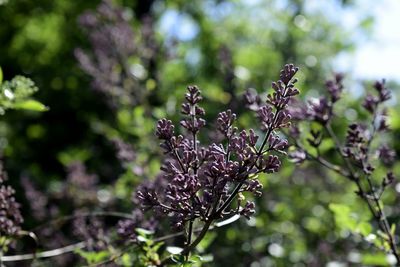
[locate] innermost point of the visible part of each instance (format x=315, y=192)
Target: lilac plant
x=358, y=157
x=206, y=183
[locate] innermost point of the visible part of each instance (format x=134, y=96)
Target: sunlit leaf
x=31, y=105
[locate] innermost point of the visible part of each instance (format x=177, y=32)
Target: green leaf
x=206, y=242
x=31, y=105
x=343, y=217
x=347, y=220
x=393, y=229
x=364, y=228
x=1, y=76
x=93, y=257
x=378, y=259
x=126, y=260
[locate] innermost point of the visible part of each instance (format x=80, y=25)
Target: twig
x=45, y=254
x=378, y=214
x=81, y=245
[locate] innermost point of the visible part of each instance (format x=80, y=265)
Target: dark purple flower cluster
x=386, y=155
x=319, y=109
x=112, y=41
x=203, y=181
x=37, y=200
x=125, y=151
x=92, y=231
x=359, y=136
x=10, y=215
x=78, y=176
x=335, y=87
x=82, y=188
x=127, y=228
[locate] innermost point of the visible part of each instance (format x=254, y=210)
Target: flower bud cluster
x=203, y=180
x=10, y=215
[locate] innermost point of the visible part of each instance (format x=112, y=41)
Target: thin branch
x=378, y=214
x=45, y=254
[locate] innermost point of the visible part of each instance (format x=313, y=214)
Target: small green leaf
x=378, y=259
x=31, y=105
x=343, y=216
x=364, y=228
x=393, y=229
x=93, y=257
x=126, y=260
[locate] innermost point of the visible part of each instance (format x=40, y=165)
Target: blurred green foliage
x=304, y=217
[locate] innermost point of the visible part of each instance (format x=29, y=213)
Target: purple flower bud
x=287, y=73
x=294, y=131
x=271, y=164
x=193, y=96
x=148, y=198
x=225, y=121
x=165, y=129
x=319, y=110
x=368, y=169
x=297, y=156
x=266, y=116
x=381, y=121
x=282, y=120
x=280, y=98
x=384, y=93
x=254, y=186
x=248, y=209
x=388, y=179
x=239, y=143
x=386, y=155
x=355, y=135
x=252, y=138
x=194, y=124
x=276, y=143
x=297, y=109
x=252, y=99
x=335, y=87
x=188, y=109
x=370, y=103
x=126, y=229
